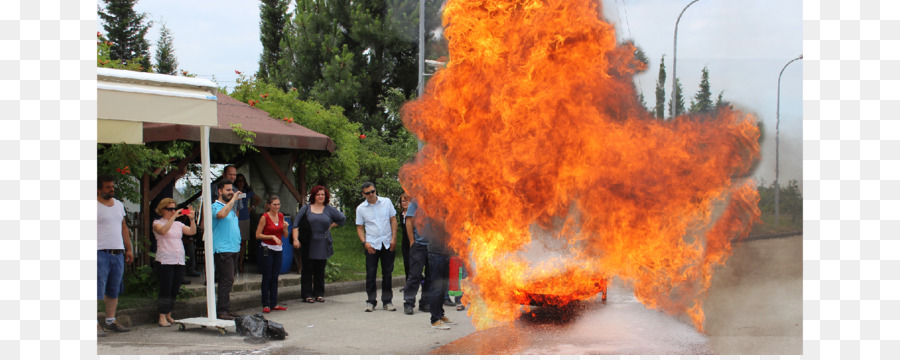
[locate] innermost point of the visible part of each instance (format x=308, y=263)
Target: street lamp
x=674, y=62
x=777, y=123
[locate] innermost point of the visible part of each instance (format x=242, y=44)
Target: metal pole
x=206, y=201
x=675, y=62
x=777, y=133
x=421, y=88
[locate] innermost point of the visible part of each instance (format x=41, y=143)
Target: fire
x=550, y=177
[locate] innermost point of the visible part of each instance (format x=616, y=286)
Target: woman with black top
x=404, y=244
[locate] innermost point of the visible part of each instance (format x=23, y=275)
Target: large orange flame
x=550, y=177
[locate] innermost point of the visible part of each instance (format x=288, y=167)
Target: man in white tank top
x=113, y=251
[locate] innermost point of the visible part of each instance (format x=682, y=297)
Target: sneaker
x=225, y=316
x=266, y=310
x=115, y=326
x=448, y=302
x=389, y=307
x=370, y=307
x=439, y=325
x=447, y=320
x=100, y=332
x=408, y=310
x=425, y=308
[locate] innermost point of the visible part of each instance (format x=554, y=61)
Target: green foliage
x=348, y=254
x=141, y=282
x=702, y=101
x=338, y=171
x=348, y=54
x=165, y=53
x=128, y=163
x=333, y=270
x=126, y=31
x=679, y=99
x=659, y=109
x=273, y=16
x=105, y=60
x=246, y=136
x=790, y=200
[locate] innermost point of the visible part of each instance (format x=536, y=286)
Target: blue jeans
x=110, y=269
x=440, y=277
x=269, y=267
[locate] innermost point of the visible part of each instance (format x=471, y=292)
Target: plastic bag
x=252, y=326
x=275, y=331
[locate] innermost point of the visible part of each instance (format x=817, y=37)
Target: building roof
x=270, y=132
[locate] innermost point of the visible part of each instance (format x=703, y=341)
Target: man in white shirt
x=376, y=225
x=113, y=251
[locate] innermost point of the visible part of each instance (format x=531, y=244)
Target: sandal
x=320, y=299
x=309, y=300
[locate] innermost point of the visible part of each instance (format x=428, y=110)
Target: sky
x=745, y=45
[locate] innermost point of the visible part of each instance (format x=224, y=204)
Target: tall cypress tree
x=272, y=18
x=702, y=101
x=125, y=28
x=659, y=109
x=676, y=96
x=165, y=53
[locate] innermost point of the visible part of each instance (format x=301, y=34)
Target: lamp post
x=674, y=62
x=777, y=123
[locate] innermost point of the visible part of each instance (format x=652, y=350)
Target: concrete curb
x=243, y=296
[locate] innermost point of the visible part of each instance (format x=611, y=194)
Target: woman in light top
x=170, y=255
x=270, y=231
x=315, y=246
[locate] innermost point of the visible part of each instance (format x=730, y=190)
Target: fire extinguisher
x=457, y=273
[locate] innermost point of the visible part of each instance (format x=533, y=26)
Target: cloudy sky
x=744, y=43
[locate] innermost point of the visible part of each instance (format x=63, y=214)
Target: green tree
x=722, y=103
x=659, y=109
x=165, y=53
x=679, y=99
x=126, y=30
x=349, y=54
x=105, y=61
x=702, y=101
x=272, y=18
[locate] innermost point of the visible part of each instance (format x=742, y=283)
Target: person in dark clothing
x=316, y=246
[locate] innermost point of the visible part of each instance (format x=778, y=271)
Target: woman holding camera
x=170, y=255
x=270, y=231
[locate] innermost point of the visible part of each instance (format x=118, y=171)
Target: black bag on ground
x=253, y=326
x=275, y=331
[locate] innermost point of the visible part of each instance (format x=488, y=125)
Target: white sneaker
x=447, y=320
x=440, y=325
x=389, y=307
x=370, y=307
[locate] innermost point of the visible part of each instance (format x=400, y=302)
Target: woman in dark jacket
x=316, y=245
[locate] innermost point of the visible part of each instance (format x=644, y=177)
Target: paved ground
x=754, y=307
x=337, y=326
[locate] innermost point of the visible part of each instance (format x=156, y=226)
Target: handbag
x=304, y=233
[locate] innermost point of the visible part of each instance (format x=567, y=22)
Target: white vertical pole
x=207, y=224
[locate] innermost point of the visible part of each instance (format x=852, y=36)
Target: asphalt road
x=754, y=307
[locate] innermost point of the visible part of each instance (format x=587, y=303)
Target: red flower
x=252, y=103
x=98, y=34
x=119, y=170
x=362, y=136
x=264, y=95
x=290, y=120
x=109, y=43
x=237, y=72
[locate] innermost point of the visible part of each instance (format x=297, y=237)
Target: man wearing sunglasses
x=376, y=225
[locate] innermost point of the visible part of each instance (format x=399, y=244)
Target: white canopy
x=127, y=99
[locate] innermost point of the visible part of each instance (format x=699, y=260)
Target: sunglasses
x=369, y=192
x=171, y=209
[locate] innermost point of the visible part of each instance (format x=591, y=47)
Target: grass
x=785, y=224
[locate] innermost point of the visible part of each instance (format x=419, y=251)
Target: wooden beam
x=265, y=154
x=173, y=175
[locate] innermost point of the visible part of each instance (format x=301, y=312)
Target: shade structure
x=128, y=99
x=270, y=132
